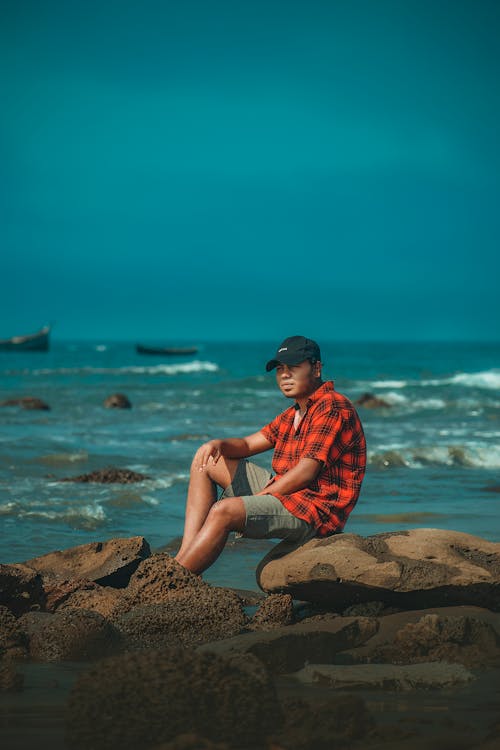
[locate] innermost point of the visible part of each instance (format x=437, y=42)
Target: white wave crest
x=389, y=383
x=162, y=369
x=487, y=379
x=468, y=456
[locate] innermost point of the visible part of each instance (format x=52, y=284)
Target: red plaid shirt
x=329, y=432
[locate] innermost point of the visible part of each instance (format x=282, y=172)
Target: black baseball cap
x=293, y=351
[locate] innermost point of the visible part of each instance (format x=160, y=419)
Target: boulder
x=108, y=563
x=186, y=618
x=370, y=401
x=10, y=679
x=157, y=577
x=146, y=698
x=406, y=569
x=69, y=635
x=117, y=401
x=21, y=588
x=109, y=475
x=27, y=402
x=106, y=600
x=13, y=644
x=274, y=612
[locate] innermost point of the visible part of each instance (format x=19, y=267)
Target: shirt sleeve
x=329, y=434
x=271, y=430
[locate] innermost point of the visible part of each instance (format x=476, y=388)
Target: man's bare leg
x=202, y=493
x=225, y=516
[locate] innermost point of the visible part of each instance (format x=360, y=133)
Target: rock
x=406, y=569
x=69, y=635
x=157, y=577
x=108, y=563
x=464, y=639
x=105, y=600
x=288, y=649
x=110, y=475
x=150, y=697
x=27, y=402
x=21, y=588
x=117, y=401
x=463, y=635
x=424, y=676
x=186, y=618
x=191, y=742
x=274, y=612
x=370, y=401
x=13, y=645
x=325, y=725
x=10, y=679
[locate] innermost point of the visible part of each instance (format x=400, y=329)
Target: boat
x=31, y=342
x=168, y=350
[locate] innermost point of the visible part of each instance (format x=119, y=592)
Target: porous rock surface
x=21, y=588
x=275, y=611
x=109, y=563
x=73, y=635
x=145, y=698
x=408, y=569
x=109, y=475
x=157, y=577
x=188, y=617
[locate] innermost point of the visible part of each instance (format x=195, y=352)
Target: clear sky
x=204, y=170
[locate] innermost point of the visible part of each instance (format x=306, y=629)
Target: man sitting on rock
x=318, y=462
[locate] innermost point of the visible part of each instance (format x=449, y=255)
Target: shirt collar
x=326, y=387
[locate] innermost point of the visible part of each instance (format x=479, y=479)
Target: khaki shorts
x=266, y=516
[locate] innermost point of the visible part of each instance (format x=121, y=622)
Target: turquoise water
x=434, y=452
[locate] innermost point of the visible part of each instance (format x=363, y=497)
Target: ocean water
x=433, y=452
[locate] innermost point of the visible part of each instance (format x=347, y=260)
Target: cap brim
x=283, y=361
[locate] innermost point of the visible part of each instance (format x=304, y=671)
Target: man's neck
x=302, y=401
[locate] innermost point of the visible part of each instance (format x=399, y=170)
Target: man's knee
x=228, y=513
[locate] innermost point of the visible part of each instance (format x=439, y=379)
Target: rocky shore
x=390, y=641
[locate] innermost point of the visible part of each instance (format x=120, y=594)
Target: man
x=318, y=462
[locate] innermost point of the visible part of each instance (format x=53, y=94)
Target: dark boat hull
x=168, y=350
x=33, y=342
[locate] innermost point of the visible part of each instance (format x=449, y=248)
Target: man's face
x=297, y=381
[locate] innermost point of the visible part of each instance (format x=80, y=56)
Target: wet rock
x=109, y=475
x=275, y=611
x=117, y=401
x=69, y=635
x=434, y=638
x=108, y=563
x=13, y=645
x=27, y=402
x=288, y=649
x=411, y=569
x=322, y=726
x=187, y=618
x=370, y=401
x=157, y=577
x=150, y=697
x=423, y=676
x=10, y=679
x=21, y=588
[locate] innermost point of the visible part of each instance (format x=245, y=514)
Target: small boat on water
x=31, y=342
x=168, y=350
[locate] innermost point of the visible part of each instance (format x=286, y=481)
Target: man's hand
x=212, y=449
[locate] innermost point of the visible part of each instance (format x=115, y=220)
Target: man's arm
x=297, y=478
x=232, y=448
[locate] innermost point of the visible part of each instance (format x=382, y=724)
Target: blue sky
x=216, y=170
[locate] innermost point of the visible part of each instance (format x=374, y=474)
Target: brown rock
x=72, y=635
x=274, y=612
x=10, y=679
x=27, y=402
x=117, y=401
x=12, y=643
x=188, y=617
x=407, y=569
x=191, y=742
x=157, y=577
x=104, y=600
x=149, y=697
x=108, y=563
x=21, y=588
x=110, y=475
x=370, y=401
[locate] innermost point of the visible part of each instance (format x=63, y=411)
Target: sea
x=433, y=448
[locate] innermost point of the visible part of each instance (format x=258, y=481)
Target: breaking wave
x=468, y=456
x=489, y=379
x=172, y=369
